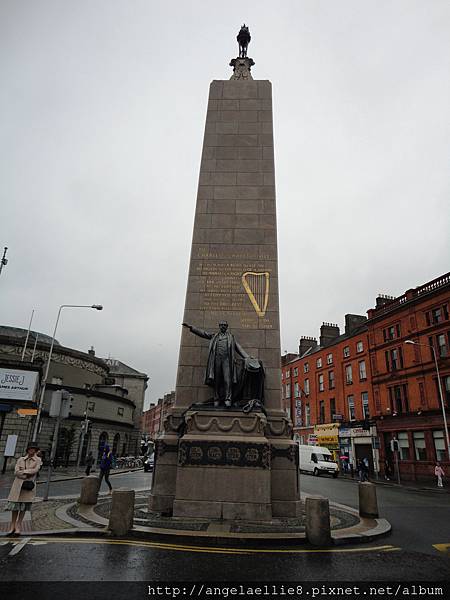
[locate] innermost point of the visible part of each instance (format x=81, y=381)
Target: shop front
x=327, y=436
x=357, y=442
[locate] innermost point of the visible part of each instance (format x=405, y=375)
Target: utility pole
x=84, y=430
x=61, y=407
x=4, y=260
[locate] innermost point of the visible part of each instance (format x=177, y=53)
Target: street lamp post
x=47, y=367
x=441, y=397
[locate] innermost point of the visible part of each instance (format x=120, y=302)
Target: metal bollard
x=368, y=504
x=318, y=530
x=122, y=512
x=89, y=490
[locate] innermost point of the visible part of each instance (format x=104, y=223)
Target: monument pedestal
x=229, y=465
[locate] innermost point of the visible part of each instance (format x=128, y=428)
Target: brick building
x=153, y=418
x=327, y=386
x=354, y=392
x=407, y=403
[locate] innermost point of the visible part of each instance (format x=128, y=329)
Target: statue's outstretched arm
x=200, y=332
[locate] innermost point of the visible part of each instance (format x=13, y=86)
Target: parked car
x=317, y=460
x=149, y=463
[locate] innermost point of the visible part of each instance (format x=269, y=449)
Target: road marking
x=20, y=546
x=212, y=549
x=442, y=547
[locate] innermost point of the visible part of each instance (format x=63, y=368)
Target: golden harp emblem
x=257, y=287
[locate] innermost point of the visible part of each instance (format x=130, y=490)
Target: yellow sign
x=257, y=287
x=27, y=412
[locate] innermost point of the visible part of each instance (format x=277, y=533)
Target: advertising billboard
x=17, y=385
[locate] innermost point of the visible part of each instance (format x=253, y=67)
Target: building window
x=359, y=347
x=329, y=359
x=322, y=411
x=332, y=407
x=391, y=333
x=319, y=363
x=331, y=383
x=365, y=404
x=419, y=445
x=120, y=411
x=288, y=390
x=306, y=390
x=296, y=390
x=321, y=384
x=346, y=352
x=362, y=370
x=348, y=374
x=351, y=408
x=403, y=445
x=398, y=397
x=288, y=373
x=91, y=406
x=442, y=345
x=306, y=367
x=447, y=389
x=307, y=415
x=439, y=445
x=394, y=359
x=295, y=372
x=436, y=315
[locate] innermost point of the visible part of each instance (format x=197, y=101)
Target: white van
x=317, y=460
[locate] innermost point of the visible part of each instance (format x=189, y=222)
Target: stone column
x=122, y=512
x=89, y=490
x=318, y=531
x=368, y=504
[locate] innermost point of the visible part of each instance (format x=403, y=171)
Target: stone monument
x=226, y=450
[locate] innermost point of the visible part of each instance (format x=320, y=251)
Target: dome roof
x=19, y=333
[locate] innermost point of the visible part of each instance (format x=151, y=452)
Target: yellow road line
x=207, y=549
x=442, y=547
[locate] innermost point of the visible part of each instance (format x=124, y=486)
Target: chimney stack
x=352, y=322
x=306, y=343
x=328, y=333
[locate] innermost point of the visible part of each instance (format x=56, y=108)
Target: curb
x=381, y=529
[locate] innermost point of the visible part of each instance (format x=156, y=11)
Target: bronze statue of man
x=221, y=372
x=243, y=38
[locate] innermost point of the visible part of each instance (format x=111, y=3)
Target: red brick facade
x=404, y=378
x=152, y=419
x=370, y=378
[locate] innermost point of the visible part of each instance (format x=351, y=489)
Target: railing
x=431, y=286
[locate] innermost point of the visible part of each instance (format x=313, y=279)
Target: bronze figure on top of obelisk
x=243, y=38
x=242, y=65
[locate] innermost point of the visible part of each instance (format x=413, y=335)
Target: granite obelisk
x=228, y=463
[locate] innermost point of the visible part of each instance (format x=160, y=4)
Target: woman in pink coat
x=20, y=499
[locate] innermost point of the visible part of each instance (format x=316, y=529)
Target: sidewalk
x=63, y=516
x=410, y=486
x=61, y=474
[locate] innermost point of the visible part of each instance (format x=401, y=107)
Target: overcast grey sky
x=102, y=108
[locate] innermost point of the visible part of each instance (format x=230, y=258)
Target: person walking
x=23, y=489
x=105, y=467
x=387, y=469
x=365, y=468
x=89, y=463
x=439, y=473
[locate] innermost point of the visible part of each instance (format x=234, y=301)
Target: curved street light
x=441, y=397
x=47, y=367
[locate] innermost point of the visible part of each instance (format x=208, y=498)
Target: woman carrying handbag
x=23, y=489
